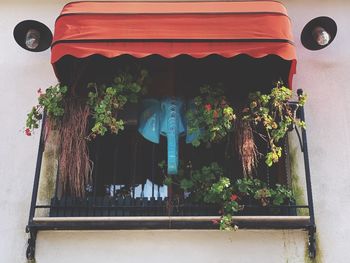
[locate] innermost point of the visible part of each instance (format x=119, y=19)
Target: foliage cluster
x=51, y=102
x=276, y=115
x=106, y=101
x=210, y=185
x=211, y=118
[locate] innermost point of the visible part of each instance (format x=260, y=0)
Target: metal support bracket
x=312, y=242
x=30, y=252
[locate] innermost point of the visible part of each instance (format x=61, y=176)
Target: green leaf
x=168, y=181
x=186, y=184
x=196, y=143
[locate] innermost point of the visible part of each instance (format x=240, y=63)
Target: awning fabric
x=169, y=29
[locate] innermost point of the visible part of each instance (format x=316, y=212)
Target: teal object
x=172, y=125
x=165, y=117
x=149, y=121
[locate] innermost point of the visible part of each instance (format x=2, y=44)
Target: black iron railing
x=120, y=212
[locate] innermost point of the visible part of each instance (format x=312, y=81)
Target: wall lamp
x=32, y=35
x=319, y=33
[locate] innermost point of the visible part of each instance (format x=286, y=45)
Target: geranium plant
x=194, y=182
x=210, y=185
x=49, y=101
x=211, y=118
x=106, y=101
x=232, y=196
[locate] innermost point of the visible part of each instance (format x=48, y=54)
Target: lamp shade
x=319, y=33
x=32, y=35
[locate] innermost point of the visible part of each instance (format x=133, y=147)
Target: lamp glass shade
x=32, y=35
x=32, y=38
x=321, y=36
x=319, y=33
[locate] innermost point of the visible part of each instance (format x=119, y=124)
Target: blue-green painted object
x=165, y=117
x=149, y=121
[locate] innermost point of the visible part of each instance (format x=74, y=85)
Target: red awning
x=169, y=29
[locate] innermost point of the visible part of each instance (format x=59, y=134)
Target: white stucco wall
x=324, y=75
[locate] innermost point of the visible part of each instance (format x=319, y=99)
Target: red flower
x=216, y=114
x=215, y=221
x=39, y=91
x=233, y=197
x=207, y=107
x=27, y=131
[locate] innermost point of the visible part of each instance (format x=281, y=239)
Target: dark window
x=126, y=177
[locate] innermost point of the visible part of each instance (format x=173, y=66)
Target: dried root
x=246, y=148
x=75, y=166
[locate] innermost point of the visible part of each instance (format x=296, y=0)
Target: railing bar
x=60, y=210
x=37, y=170
x=134, y=166
x=278, y=206
x=72, y=211
x=115, y=164
x=175, y=218
x=108, y=200
x=307, y=167
x=300, y=140
x=153, y=167
x=96, y=166
x=79, y=208
x=119, y=203
x=99, y=206
x=64, y=206
x=57, y=183
x=142, y=190
x=57, y=179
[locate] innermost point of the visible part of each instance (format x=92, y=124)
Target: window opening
x=126, y=168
